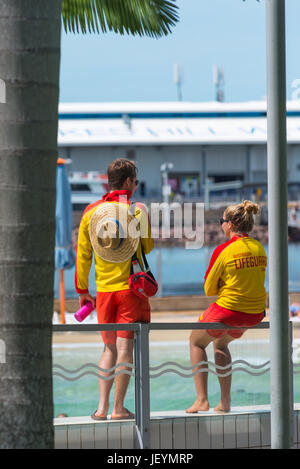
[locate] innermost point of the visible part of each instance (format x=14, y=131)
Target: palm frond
x=153, y=18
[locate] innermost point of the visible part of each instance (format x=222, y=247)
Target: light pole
x=178, y=79
x=281, y=365
x=166, y=190
x=281, y=407
x=218, y=76
x=2, y=91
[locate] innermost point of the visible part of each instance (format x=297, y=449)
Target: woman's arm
x=213, y=281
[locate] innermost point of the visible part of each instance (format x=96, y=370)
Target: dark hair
x=118, y=171
x=241, y=215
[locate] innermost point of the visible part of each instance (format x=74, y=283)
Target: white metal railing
x=141, y=368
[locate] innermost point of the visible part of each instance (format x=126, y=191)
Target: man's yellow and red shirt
x=109, y=276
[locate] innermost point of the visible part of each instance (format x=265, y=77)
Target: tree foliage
x=153, y=18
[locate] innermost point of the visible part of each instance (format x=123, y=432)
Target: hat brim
x=130, y=234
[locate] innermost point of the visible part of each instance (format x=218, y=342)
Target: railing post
x=142, y=386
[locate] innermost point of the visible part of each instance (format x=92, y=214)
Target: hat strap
x=131, y=209
x=121, y=238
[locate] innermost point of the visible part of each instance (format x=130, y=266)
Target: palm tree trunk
x=29, y=66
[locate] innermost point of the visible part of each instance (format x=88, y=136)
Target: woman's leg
x=198, y=343
x=223, y=358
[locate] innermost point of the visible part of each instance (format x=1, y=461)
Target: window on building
x=130, y=154
x=225, y=177
x=185, y=183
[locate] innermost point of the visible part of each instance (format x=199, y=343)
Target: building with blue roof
x=215, y=140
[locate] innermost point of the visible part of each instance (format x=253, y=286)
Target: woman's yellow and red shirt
x=236, y=274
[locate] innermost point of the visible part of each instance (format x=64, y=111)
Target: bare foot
x=98, y=416
x=101, y=412
x=200, y=405
x=125, y=414
x=223, y=407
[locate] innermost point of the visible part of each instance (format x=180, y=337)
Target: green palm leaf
x=152, y=18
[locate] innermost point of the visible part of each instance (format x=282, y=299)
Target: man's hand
x=84, y=298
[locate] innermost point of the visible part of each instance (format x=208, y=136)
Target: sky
x=230, y=33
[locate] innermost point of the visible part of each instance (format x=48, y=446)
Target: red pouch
x=143, y=284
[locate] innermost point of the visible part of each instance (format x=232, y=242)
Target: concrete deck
x=242, y=427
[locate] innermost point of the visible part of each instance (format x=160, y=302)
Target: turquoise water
x=183, y=271
x=169, y=391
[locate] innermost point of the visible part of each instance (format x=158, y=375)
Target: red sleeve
x=213, y=259
x=216, y=254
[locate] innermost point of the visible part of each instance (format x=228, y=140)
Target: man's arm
x=84, y=298
x=145, y=228
x=84, y=256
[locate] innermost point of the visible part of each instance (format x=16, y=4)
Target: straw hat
x=114, y=232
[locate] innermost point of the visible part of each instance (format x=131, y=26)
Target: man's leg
x=124, y=354
x=130, y=309
x=223, y=358
x=106, y=311
x=199, y=340
x=107, y=360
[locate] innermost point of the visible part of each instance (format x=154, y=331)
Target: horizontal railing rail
x=151, y=326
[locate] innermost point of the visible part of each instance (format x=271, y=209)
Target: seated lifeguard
x=236, y=275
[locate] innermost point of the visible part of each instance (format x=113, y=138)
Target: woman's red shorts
x=120, y=307
x=216, y=313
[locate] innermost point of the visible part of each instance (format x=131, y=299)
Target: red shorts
x=121, y=307
x=216, y=313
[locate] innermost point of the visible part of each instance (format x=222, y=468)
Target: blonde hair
x=241, y=215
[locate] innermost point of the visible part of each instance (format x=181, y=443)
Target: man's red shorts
x=216, y=313
x=121, y=307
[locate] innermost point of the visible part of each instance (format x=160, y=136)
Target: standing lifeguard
x=236, y=275
x=105, y=233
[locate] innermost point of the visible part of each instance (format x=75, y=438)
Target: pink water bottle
x=84, y=311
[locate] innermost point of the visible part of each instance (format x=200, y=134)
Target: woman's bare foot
x=200, y=405
x=223, y=406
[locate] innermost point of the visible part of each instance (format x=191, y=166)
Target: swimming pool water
x=170, y=391
x=183, y=270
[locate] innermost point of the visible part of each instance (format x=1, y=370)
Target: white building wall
x=219, y=160
x=258, y=163
x=222, y=159
x=92, y=158
x=185, y=159
x=148, y=161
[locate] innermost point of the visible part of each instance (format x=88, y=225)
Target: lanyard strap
x=134, y=258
